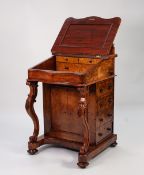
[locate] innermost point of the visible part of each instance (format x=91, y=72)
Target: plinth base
x=83, y=159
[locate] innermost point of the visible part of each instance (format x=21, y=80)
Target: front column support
x=83, y=113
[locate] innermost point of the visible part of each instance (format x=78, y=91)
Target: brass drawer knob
x=98, y=56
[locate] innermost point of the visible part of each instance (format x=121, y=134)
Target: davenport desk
x=78, y=89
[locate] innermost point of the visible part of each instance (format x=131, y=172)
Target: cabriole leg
x=32, y=144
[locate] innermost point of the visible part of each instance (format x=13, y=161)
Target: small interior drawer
x=72, y=67
x=89, y=60
x=67, y=59
x=60, y=66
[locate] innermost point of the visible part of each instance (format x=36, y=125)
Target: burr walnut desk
x=78, y=89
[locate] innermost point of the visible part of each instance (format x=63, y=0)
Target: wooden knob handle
x=101, y=105
x=101, y=119
x=110, y=73
x=109, y=129
x=109, y=86
x=101, y=90
x=100, y=134
x=109, y=115
x=66, y=67
x=66, y=59
x=110, y=100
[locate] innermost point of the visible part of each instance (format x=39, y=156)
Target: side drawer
x=77, y=60
x=104, y=117
x=105, y=103
x=106, y=69
x=103, y=132
x=105, y=87
x=67, y=59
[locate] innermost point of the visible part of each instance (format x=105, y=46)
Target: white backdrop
x=28, y=29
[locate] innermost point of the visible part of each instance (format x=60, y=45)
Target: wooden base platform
x=83, y=159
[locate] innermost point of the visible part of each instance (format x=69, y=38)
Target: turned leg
x=82, y=164
x=32, y=151
x=83, y=113
x=32, y=144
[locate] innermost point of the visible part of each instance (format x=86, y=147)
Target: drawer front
x=103, y=132
x=105, y=87
x=105, y=103
x=72, y=67
x=67, y=67
x=104, y=117
x=106, y=69
x=67, y=59
x=89, y=60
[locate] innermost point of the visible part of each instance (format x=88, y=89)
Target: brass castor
x=32, y=151
x=82, y=164
x=113, y=144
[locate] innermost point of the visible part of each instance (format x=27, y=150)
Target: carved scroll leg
x=32, y=144
x=83, y=113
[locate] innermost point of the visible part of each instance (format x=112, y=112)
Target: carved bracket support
x=83, y=113
x=31, y=112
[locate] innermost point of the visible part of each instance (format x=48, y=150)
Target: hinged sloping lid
x=89, y=36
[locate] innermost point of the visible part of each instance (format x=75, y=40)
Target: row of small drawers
x=104, y=118
x=77, y=60
x=105, y=102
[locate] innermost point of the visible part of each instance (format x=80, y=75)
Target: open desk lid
x=89, y=36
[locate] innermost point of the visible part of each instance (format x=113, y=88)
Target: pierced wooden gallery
x=78, y=89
